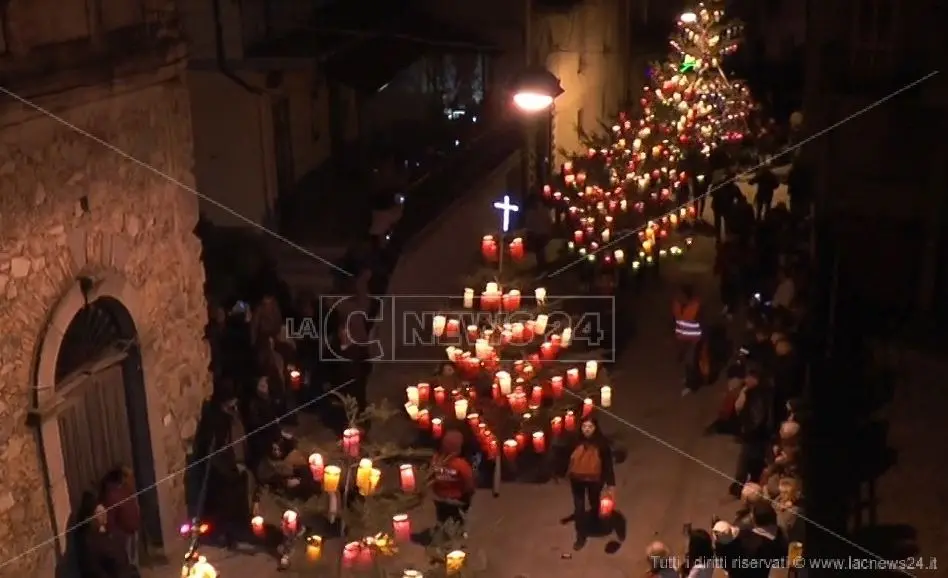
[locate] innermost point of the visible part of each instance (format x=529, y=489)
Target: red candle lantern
x=424, y=392
x=556, y=386
x=539, y=442
x=516, y=249
x=547, y=191
x=473, y=332
x=492, y=448
x=350, y=442
x=536, y=397
x=258, y=526
x=570, y=421
x=350, y=553
x=401, y=527
x=453, y=328
x=474, y=420
x=489, y=248
x=510, y=449
x=521, y=441
x=572, y=377
x=366, y=554
x=406, y=474
x=424, y=419
x=290, y=522
x=316, y=467
x=439, y=395
x=606, y=506
x=588, y=407
x=556, y=426
x=296, y=378
x=437, y=428
x=578, y=236
x=546, y=351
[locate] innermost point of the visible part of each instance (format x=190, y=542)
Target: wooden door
x=94, y=431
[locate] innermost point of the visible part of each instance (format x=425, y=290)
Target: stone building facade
x=102, y=309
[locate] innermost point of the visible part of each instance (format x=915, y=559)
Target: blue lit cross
x=507, y=208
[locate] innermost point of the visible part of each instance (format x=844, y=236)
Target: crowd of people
x=760, y=264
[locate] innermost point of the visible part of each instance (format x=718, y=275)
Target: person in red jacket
x=120, y=499
x=453, y=481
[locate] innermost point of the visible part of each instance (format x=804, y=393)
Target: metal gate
x=94, y=431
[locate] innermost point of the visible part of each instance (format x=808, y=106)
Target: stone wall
x=137, y=229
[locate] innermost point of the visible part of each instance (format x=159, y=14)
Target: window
x=874, y=35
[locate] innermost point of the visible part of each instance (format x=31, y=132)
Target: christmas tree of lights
x=640, y=180
x=690, y=107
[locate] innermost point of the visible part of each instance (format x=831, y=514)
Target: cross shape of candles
x=507, y=207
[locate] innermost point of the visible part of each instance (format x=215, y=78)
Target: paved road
x=673, y=474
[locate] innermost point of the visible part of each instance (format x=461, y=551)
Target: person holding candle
x=591, y=472
x=454, y=483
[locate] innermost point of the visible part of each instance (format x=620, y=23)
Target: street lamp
x=534, y=91
x=688, y=18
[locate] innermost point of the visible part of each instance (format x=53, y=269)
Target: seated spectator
x=751, y=493
x=661, y=564
x=699, y=559
x=762, y=540
x=286, y=472
x=788, y=504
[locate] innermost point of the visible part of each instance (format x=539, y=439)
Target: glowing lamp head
x=532, y=101
x=688, y=18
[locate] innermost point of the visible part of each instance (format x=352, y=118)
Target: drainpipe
x=222, y=57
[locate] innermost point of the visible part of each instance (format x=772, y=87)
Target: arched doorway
x=99, y=407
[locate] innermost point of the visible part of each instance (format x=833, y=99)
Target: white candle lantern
x=592, y=369
x=438, y=325
x=566, y=337
x=460, y=408
x=492, y=288
x=504, y=381
x=481, y=348
x=468, y=298
x=605, y=396
x=540, y=294
x=605, y=236
x=411, y=393
x=412, y=411
x=540, y=324
x=620, y=256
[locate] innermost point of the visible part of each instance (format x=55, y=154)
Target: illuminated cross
x=507, y=208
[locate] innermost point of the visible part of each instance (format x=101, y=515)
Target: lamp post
x=534, y=92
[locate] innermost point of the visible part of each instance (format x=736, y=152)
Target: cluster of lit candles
x=521, y=391
x=361, y=553
x=594, y=210
x=490, y=249
x=493, y=299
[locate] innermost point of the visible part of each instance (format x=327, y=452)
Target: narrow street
x=673, y=474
